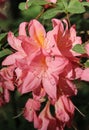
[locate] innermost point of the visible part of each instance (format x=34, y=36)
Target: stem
x=40, y=14
x=79, y=111
x=67, y=16
x=66, y=12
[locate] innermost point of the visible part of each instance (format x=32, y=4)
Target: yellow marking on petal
x=39, y=38
x=43, y=62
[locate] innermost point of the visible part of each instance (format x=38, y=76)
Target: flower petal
x=49, y=85
x=22, y=29
x=37, y=32
x=64, y=109
x=30, y=83
x=14, y=42
x=85, y=75
x=11, y=59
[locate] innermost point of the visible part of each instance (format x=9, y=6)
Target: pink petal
x=6, y=75
x=37, y=121
x=56, y=22
x=46, y=117
x=64, y=109
x=67, y=87
x=52, y=1
x=11, y=59
x=14, y=42
x=39, y=94
x=9, y=85
x=37, y=32
x=6, y=95
x=78, y=72
x=29, y=48
x=85, y=75
x=56, y=64
x=50, y=44
x=30, y=83
x=48, y=121
x=30, y=112
x=22, y=29
x=49, y=85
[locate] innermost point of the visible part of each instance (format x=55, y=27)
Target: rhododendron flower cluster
x=43, y=64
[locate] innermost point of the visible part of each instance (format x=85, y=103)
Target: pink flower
x=42, y=70
x=85, y=75
x=6, y=84
x=52, y=1
x=15, y=43
x=37, y=32
x=30, y=112
x=34, y=62
x=64, y=110
x=38, y=37
x=35, y=41
x=48, y=121
x=23, y=43
x=4, y=96
x=66, y=85
x=45, y=65
x=39, y=94
x=18, y=44
x=65, y=39
x=7, y=78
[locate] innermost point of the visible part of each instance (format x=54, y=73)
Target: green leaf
x=38, y=2
x=22, y=5
x=2, y=35
x=60, y=5
x=5, y=52
x=65, y=3
x=79, y=49
x=86, y=64
x=31, y=12
x=51, y=13
x=85, y=3
x=76, y=7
